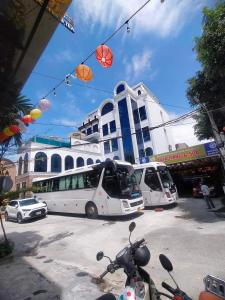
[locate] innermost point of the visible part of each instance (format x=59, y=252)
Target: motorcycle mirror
x=99, y=255
x=166, y=263
x=132, y=226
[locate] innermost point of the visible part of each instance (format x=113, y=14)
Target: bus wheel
x=91, y=211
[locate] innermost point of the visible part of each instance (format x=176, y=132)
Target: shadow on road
x=196, y=209
x=104, y=218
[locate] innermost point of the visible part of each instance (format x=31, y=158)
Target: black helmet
x=142, y=256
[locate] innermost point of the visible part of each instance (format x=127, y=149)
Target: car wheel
x=91, y=211
x=19, y=218
x=6, y=216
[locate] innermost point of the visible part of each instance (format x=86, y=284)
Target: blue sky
x=157, y=51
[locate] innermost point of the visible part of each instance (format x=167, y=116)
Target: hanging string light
x=128, y=27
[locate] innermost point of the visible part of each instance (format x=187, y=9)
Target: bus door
x=111, y=186
x=152, y=191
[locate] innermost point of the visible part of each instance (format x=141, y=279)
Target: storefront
x=188, y=166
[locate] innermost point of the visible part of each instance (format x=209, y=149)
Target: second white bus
x=156, y=184
x=108, y=189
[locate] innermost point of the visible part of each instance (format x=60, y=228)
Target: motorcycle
x=139, y=284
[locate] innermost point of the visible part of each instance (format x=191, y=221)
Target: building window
x=139, y=92
x=139, y=137
x=25, y=170
x=80, y=162
x=146, y=134
x=105, y=129
x=98, y=161
x=114, y=145
x=116, y=157
x=95, y=128
x=106, y=147
x=56, y=163
x=142, y=112
x=136, y=116
x=112, y=126
x=90, y=161
x=18, y=186
x=170, y=148
x=120, y=88
x=89, y=131
x=126, y=132
x=24, y=185
x=40, y=162
x=141, y=153
x=149, y=151
x=69, y=162
x=20, y=166
x=83, y=131
x=107, y=108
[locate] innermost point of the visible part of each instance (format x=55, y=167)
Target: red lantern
x=84, y=72
x=104, y=56
x=15, y=129
x=3, y=137
x=27, y=119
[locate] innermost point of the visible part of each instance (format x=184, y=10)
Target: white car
x=24, y=209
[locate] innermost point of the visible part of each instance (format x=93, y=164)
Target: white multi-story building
x=122, y=125
x=44, y=157
x=118, y=129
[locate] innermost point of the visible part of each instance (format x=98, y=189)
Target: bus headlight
x=125, y=204
x=167, y=194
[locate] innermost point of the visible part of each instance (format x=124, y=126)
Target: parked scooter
x=139, y=285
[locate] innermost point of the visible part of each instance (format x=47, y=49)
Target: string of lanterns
x=83, y=72
x=20, y=125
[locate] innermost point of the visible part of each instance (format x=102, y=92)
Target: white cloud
x=66, y=122
x=183, y=132
x=161, y=19
x=139, y=64
x=63, y=56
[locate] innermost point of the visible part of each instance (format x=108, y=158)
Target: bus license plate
x=38, y=213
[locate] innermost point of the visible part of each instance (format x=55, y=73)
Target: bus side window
x=62, y=183
x=55, y=186
x=110, y=182
x=152, y=180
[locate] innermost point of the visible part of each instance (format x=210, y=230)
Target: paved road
x=54, y=258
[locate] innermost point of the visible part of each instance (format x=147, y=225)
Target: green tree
x=208, y=85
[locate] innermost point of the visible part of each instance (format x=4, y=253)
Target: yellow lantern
x=8, y=132
x=84, y=72
x=35, y=113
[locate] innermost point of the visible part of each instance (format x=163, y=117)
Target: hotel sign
x=190, y=153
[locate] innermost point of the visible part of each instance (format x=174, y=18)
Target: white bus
x=156, y=184
x=107, y=188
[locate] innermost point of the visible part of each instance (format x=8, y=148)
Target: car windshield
x=28, y=202
x=165, y=176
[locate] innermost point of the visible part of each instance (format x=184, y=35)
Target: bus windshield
x=165, y=176
x=121, y=182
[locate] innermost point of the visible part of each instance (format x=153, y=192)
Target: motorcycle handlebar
x=137, y=244
x=103, y=274
x=168, y=288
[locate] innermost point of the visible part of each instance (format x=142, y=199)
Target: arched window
x=40, y=162
x=149, y=151
x=20, y=165
x=98, y=161
x=80, y=162
x=120, y=88
x=56, y=163
x=25, y=168
x=116, y=157
x=90, y=161
x=142, y=153
x=69, y=162
x=107, y=108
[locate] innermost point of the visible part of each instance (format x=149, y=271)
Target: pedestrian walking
x=206, y=194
